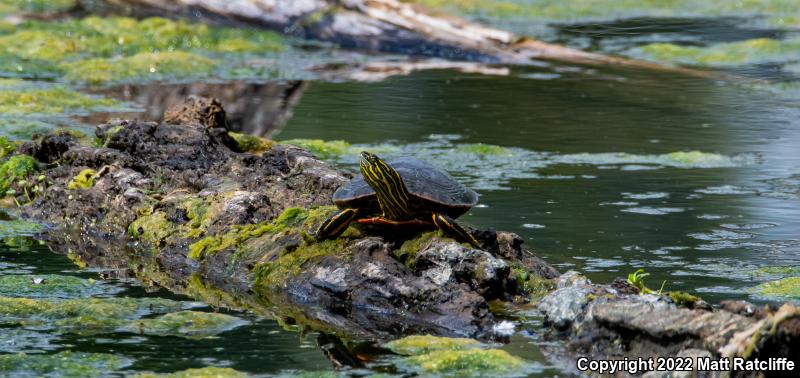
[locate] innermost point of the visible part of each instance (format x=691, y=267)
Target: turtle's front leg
x=451, y=228
x=336, y=224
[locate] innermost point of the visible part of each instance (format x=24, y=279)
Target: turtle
x=403, y=192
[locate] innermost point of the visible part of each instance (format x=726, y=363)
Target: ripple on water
x=729, y=244
x=645, y=196
x=747, y=226
x=619, y=203
x=647, y=210
x=668, y=250
x=717, y=234
x=724, y=190
x=17, y=340
x=533, y=226
x=711, y=216
x=600, y=265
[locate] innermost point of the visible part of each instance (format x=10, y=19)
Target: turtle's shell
x=433, y=189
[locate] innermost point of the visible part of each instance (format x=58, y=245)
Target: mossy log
x=225, y=218
x=386, y=25
x=188, y=205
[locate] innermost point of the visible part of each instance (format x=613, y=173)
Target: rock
x=564, y=305
x=613, y=322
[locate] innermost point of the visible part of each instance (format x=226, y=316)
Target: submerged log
x=187, y=205
x=389, y=26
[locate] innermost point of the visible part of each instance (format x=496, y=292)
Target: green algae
x=272, y=275
x=251, y=143
x=421, y=344
x=193, y=324
x=696, y=158
x=147, y=65
x=483, y=149
x=753, y=51
x=770, y=13
x=99, y=51
x=407, y=253
x=15, y=169
x=61, y=364
x=53, y=100
x=466, y=362
x=239, y=234
x=51, y=286
x=7, y=147
x=23, y=128
x=788, y=287
x=783, y=271
x=13, y=228
x=683, y=299
x=206, y=372
x=83, y=180
x=152, y=228
x=320, y=148
x=532, y=285
x=11, y=83
x=94, y=316
x=36, y=6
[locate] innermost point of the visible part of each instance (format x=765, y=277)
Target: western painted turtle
x=404, y=192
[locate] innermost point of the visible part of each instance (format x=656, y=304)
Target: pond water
x=695, y=178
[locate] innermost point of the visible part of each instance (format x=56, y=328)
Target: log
x=226, y=218
x=189, y=206
x=388, y=26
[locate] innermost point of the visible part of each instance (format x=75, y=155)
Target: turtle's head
x=376, y=172
x=387, y=183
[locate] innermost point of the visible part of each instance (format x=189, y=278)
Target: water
x=695, y=179
x=686, y=224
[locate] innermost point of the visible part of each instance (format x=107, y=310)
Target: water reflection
x=252, y=108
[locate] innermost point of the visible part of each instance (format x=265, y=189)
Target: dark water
x=694, y=179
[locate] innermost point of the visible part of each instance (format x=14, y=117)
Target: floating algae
x=11, y=228
x=62, y=364
x=194, y=324
x=753, y=51
x=53, y=100
x=784, y=288
x=35, y=6
x=492, y=167
x=206, y=372
x=153, y=65
x=98, y=50
x=455, y=357
x=781, y=14
x=421, y=344
x=52, y=286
